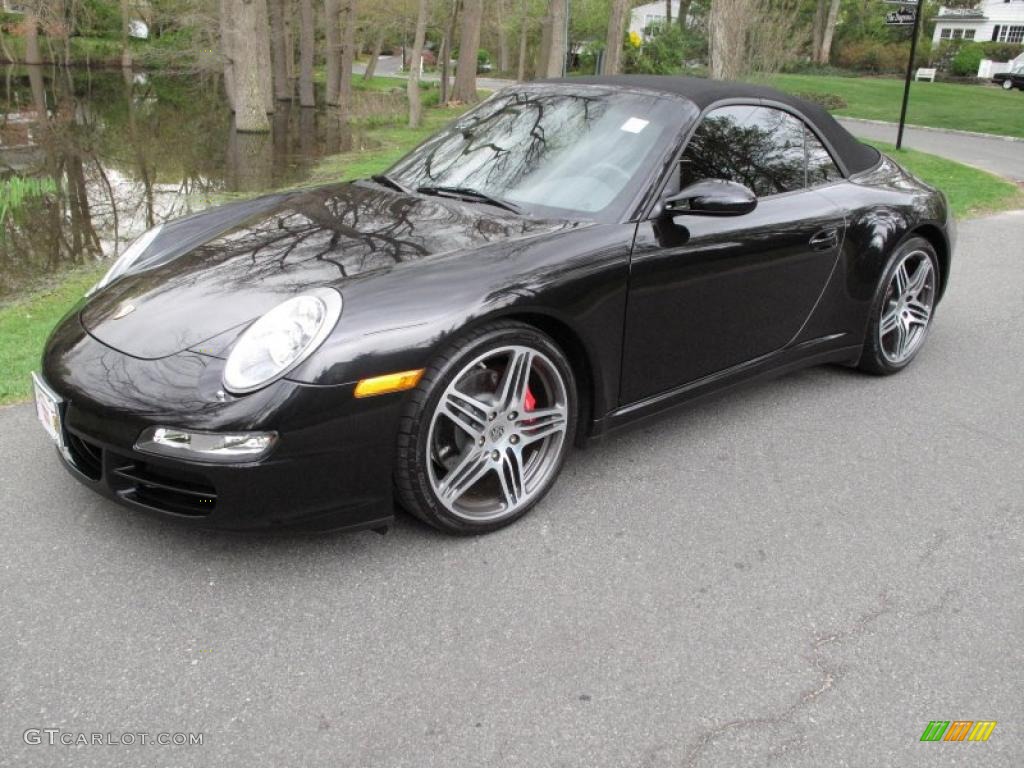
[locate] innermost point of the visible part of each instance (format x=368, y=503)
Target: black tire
x=873, y=358
x=413, y=487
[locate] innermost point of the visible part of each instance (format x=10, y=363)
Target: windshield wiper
x=387, y=181
x=468, y=193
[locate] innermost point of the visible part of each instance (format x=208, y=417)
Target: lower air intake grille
x=165, y=490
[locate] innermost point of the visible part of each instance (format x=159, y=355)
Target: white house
x=643, y=16
x=999, y=20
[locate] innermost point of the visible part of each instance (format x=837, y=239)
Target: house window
x=1011, y=35
x=946, y=34
x=968, y=34
x=958, y=34
x=995, y=32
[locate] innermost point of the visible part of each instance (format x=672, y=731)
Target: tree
x=378, y=45
x=503, y=57
x=332, y=42
x=613, y=45
x=307, y=42
x=249, y=51
x=413, y=85
x=825, y=50
x=282, y=86
x=348, y=54
x=557, y=50
x=524, y=27
x=464, y=89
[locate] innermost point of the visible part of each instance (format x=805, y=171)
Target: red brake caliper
x=529, y=402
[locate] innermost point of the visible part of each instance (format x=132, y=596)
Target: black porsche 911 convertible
x=565, y=258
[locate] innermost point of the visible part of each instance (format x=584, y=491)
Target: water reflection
x=128, y=151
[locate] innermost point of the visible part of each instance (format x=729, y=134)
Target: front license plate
x=47, y=409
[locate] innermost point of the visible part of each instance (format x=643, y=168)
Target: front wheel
x=486, y=431
x=1007, y=85
x=902, y=310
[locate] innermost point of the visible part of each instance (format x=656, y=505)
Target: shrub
x=664, y=53
x=873, y=56
x=965, y=62
x=1002, y=51
x=829, y=101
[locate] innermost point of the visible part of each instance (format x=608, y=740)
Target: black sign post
x=910, y=71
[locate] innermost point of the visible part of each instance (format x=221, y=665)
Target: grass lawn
x=937, y=105
x=970, y=191
x=25, y=324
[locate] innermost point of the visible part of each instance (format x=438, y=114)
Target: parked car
x=567, y=257
x=1012, y=79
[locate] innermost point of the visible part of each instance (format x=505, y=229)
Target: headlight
x=281, y=339
x=127, y=259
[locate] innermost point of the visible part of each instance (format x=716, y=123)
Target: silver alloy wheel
x=497, y=432
x=1007, y=84
x=907, y=307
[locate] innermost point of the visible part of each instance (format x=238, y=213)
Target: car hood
x=220, y=269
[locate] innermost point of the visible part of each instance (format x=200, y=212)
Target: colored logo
x=958, y=730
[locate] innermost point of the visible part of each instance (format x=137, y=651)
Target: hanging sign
x=904, y=17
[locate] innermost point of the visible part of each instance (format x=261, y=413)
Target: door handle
x=825, y=240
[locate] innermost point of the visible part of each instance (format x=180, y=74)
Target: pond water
x=121, y=152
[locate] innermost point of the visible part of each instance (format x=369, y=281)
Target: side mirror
x=711, y=197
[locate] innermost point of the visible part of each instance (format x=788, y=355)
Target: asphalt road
x=801, y=574
x=990, y=153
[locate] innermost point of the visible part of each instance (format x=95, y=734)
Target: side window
x=760, y=147
x=821, y=169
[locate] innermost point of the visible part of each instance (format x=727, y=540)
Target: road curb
x=951, y=131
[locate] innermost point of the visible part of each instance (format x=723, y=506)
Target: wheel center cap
x=497, y=432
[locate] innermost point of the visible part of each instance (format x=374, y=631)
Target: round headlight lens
x=281, y=339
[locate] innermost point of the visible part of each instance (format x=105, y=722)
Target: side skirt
x=804, y=355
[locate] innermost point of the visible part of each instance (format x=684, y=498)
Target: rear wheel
x=903, y=307
x=486, y=431
x=1007, y=85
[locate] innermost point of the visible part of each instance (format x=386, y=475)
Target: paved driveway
x=801, y=574
x=990, y=153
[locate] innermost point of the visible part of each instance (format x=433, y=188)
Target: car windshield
x=548, y=151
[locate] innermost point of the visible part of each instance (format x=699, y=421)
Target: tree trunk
x=126, y=51
x=282, y=88
x=307, y=42
x=32, y=40
x=826, y=36
x=613, y=45
x=523, y=28
x=464, y=89
x=332, y=10
x=348, y=55
x=446, y=47
x=413, y=85
x=556, y=54
x=291, y=14
x=248, y=23
x=818, y=28
x=728, y=23
x=544, y=50
x=503, y=58
x=227, y=38
x=371, y=65
x=668, y=13
x=262, y=43
x=684, y=12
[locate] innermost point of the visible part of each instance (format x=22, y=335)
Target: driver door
x=708, y=293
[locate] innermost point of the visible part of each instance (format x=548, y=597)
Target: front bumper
x=330, y=469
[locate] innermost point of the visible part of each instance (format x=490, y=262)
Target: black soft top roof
x=703, y=92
